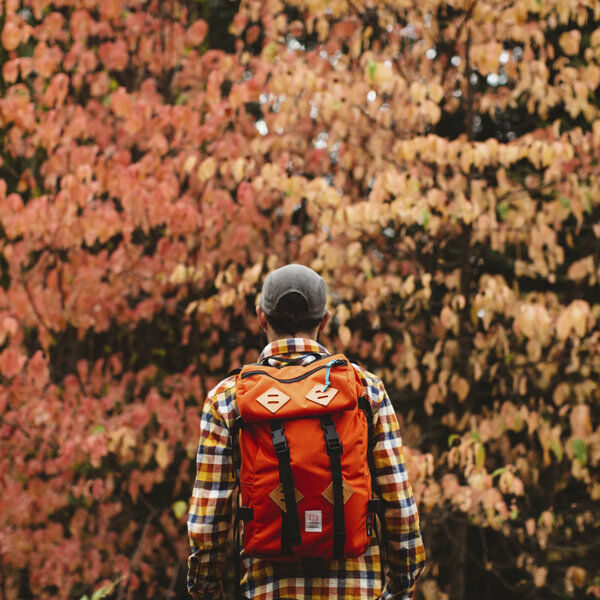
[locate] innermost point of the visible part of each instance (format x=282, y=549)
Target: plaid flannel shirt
x=210, y=515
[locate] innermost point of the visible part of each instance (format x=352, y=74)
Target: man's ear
x=262, y=318
x=324, y=321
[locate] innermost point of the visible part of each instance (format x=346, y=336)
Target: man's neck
x=274, y=337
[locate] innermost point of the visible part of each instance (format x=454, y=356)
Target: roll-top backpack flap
x=324, y=386
x=269, y=533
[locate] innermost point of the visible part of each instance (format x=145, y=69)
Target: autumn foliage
x=437, y=162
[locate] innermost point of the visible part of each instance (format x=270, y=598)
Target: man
x=292, y=312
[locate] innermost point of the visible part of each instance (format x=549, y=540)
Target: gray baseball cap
x=298, y=279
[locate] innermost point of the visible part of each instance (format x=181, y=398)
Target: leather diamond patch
x=273, y=399
x=278, y=497
x=321, y=397
x=328, y=493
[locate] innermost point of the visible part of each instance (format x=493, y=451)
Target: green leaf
x=475, y=435
x=514, y=513
x=565, y=202
x=556, y=449
x=106, y=590
x=508, y=358
x=580, y=451
x=451, y=439
x=499, y=471
x=541, y=518
x=503, y=210
x=98, y=429
x=271, y=51
x=372, y=67
x=179, y=508
x=480, y=456
x=426, y=215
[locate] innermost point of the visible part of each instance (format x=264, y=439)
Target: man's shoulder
x=221, y=400
x=365, y=374
x=225, y=386
x=372, y=385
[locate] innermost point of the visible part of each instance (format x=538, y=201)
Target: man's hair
x=290, y=316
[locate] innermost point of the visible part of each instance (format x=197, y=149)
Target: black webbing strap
x=290, y=524
x=334, y=451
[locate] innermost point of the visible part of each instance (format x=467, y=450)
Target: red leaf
x=196, y=33
x=11, y=362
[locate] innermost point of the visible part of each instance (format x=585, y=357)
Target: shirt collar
x=291, y=346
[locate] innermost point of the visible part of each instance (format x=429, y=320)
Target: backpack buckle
x=375, y=505
x=332, y=439
x=280, y=444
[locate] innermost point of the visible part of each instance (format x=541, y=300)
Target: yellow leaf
x=563, y=325
x=207, y=169
x=561, y=393
x=191, y=307
x=578, y=576
x=189, y=164
x=436, y=92
x=418, y=92
x=179, y=508
x=179, y=275
x=342, y=313
x=345, y=336
x=415, y=379
x=162, y=455
x=447, y=317
x=238, y=169
x=539, y=576
x=569, y=41
x=460, y=386
x=580, y=421
x=354, y=252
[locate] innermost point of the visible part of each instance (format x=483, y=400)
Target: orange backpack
x=304, y=475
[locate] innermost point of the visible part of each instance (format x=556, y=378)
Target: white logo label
x=313, y=521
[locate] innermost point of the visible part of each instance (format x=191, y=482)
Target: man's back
x=352, y=578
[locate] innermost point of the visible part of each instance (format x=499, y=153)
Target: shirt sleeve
x=209, y=518
x=405, y=552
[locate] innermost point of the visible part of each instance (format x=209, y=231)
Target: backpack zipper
x=333, y=363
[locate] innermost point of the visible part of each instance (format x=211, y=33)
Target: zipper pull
x=331, y=363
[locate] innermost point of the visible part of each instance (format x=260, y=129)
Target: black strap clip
x=245, y=513
x=238, y=424
x=376, y=505
x=280, y=444
x=332, y=439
